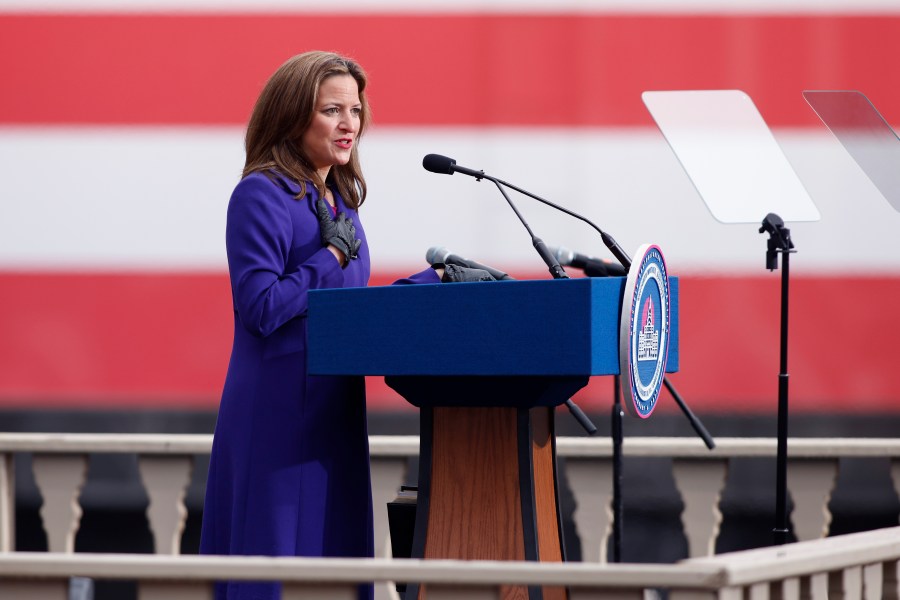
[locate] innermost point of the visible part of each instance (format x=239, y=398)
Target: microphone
x=441, y=255
x=444, y=165
x=592, y=267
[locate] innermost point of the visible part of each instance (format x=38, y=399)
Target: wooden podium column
x=487, y=490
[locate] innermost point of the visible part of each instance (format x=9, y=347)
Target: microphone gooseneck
x=444, y=165
x=437, y=163
x=555, y=269
x=608, y=240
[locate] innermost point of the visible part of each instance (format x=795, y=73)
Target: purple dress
x=289, y=469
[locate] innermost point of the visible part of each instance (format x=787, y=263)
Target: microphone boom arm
x=555, y=269
x=608, y=240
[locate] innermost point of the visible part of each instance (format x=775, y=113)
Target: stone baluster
x=814, y=587
x=591, y=483
x=845, y=584
x=872, y=581
x=810, y=483
x=787, y=589
x=59, y=478
x=759, y=591
x=166, y=479
x=700, y=483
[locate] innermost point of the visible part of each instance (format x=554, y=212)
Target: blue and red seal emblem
x=644, y=331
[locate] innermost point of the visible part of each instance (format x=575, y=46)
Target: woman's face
x=330, y=137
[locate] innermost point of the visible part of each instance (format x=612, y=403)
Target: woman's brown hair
x=283, y=112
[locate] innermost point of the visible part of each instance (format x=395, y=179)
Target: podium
x=485, y=363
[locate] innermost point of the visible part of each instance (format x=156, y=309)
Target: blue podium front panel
x=545, y=327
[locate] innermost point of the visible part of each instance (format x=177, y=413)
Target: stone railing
x=857, y=566
x=165, y=462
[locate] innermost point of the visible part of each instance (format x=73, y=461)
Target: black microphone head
x=438, y=164
x=436, y=254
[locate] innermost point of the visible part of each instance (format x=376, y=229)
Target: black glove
x=338, y=232
x=457, y=274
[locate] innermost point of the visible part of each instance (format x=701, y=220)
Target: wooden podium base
x=488, y=490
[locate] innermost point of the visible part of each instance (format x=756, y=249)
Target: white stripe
x=116, y=197
x=149, y=198
x=457, y=6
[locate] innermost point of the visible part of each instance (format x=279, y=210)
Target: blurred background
x=121, y=131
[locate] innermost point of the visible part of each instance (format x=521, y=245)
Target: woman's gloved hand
x=338, y=232
x=456, y=274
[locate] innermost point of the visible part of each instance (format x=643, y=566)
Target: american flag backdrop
x=121, y=129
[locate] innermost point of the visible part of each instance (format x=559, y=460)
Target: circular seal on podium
x=644, y=331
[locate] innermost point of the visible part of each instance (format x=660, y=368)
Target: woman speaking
x=289, y=469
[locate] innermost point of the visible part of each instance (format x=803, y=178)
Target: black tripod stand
x=780, y=242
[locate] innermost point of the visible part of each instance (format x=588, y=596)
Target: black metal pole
x=780, y=242
x=782, y=528
x=616, y=424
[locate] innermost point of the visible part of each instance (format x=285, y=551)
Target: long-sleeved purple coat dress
x=289, y=469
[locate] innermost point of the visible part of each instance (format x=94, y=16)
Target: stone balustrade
x=165, y=462
x=861, y=566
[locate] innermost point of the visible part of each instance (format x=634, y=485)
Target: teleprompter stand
x=720, y=139
x=779, y=242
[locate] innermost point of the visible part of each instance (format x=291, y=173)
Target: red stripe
x=163, y=340
x=565, y=69
x=103, y=339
